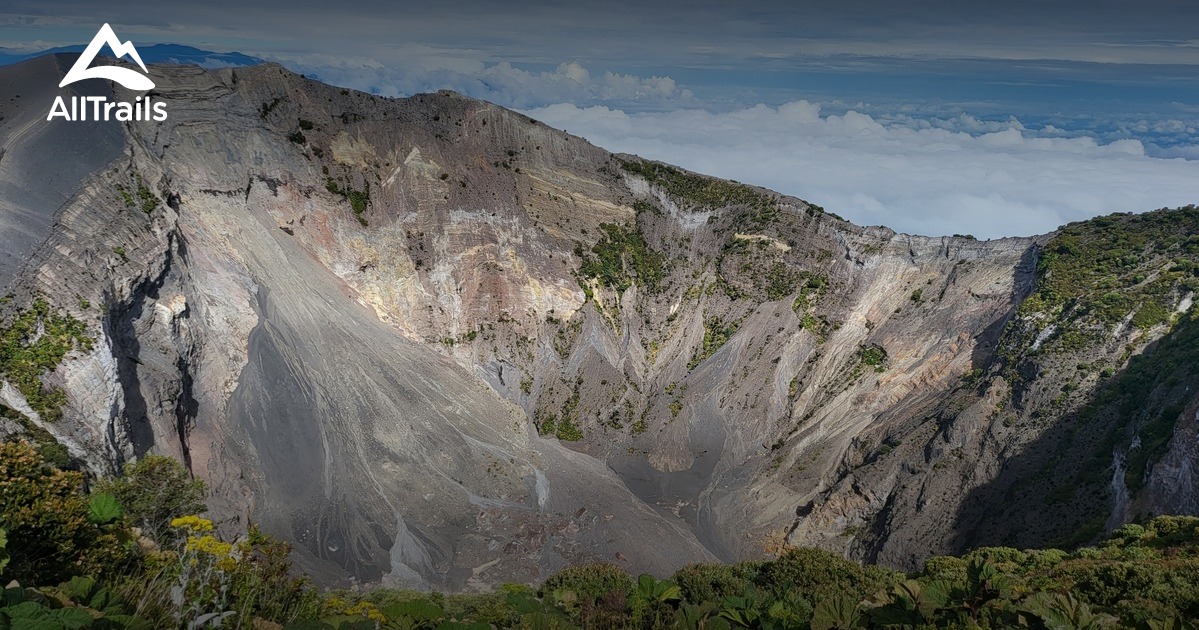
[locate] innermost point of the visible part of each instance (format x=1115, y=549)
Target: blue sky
x=928, y=116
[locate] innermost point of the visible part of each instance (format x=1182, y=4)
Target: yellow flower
x=209, y=544
x=192, y=523
x=368, y=610
x=340, y=606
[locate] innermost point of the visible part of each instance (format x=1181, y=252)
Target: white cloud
x=937, y=177
x=420, y=68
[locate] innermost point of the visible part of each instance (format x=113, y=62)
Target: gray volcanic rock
x=436, y=343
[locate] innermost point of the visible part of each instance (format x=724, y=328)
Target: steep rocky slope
x=431, y=340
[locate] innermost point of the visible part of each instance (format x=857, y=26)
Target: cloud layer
x=935, y=117
x=989, y=181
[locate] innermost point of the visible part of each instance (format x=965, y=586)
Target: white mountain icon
x=126, y=77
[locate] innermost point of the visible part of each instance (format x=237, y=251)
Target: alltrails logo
x=100, y=107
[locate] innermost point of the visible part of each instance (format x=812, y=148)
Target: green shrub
x=149, y=202
x=153, y=491
x=704, y=191
x=1094, y=272
x=780, y=281
x=229, y=584
x=819, y=575
x=359, y=199
x=948, y=568
x=589, y=581
x=873, y=356
x=714, y=582
x=568, y=431
x=1172, y=531
x=45, y=515
x=716, y=334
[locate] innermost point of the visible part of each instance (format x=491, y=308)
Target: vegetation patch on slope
x=358, y=199
x=717, y=332
x=622, y=257
x=34, y=342
x=697, y=190
x=1094, y=274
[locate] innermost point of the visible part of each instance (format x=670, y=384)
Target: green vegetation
x=918, y=295
x=873, y=356
x=266, y=108
x=716, y=334
x=809, y=295
x=77, y=603
x=568, y=431
x=359, y=199
x=35, y=342
x=149, y=202
x=818, y=326
x=79, y=567
x=589, y=581
x=153, y=491
x=565, y=336
x=145, y=197
x=642, y=206
x=128, y=198
x=780, y=281
x=46, y=520
x=545, y=422
x=306, y=125
x=1095, y=273
x=104, y=509
x=622, y=257
x=297, y=137
x=639, y=426
x=702, y=191
x=755, y=267
x=81, y=564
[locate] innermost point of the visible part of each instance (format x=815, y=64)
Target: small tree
x=153, y=491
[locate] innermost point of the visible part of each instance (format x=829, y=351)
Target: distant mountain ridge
x=151, y=53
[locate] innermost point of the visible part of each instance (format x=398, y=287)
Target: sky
x=928, y=116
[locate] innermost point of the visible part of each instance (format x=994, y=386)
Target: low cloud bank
x=990, y=181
